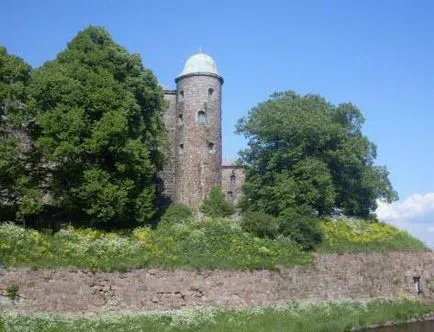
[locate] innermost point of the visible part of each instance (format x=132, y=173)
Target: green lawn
x=332, y=317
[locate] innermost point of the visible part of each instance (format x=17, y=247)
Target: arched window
x=211, y=147
x=233, y=179
x=201, y=117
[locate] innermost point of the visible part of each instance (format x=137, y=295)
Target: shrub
x=177, y=212
x=301, y=226
x=12, y=292
x=215, y=204
x=260, y=224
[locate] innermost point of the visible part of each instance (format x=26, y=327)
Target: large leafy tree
x=97, y=132
x=305, y=152
x=16, y=190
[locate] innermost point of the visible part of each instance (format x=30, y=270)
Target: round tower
x=198, y=130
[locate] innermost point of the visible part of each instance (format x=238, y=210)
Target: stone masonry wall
x=199, y=154
x=331, y=277
x=168, y=174
x=232, y=182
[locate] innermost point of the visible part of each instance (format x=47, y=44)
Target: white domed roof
x=199, y=63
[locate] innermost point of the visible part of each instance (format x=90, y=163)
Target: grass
x=334, y=317
x=215, y=244
x=357, y=236
x=210, y=244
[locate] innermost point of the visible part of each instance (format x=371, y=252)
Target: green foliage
x=260, y=224
x=306, y=151
x=12, y=291
x=97, y=133
x=300, y=317
x=215, y=204
x=15, y=157
x=209, y=244
x=352, y=235
x=300, y=226
x=176, y=213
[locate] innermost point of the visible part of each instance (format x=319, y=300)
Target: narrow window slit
x=417, y=288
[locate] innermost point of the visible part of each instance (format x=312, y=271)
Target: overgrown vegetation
x=12, y=291
x=209, y=244
x=336, y=317
x=352, y=235
x=176, y=213
x=215, y=204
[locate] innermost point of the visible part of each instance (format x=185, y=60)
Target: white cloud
x=414, y=214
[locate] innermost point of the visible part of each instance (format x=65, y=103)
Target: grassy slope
x=352, y=236
x=212, y=244
x=293, y=317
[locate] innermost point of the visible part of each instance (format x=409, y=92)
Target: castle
x=193, y=122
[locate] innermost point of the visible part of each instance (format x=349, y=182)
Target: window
x=201, y=117
x=210, y=92
x=416, y=281
x=211, y=147
x=233, y=179
x=180, y=118
x=230, y=195
x=181, y=149
x=181, y=94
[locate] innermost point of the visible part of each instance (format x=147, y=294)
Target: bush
x=260, y=224
x=177, y=212
x=12, y=292
x=301, y=226
x=215, y=204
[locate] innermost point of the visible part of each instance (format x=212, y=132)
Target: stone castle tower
x=193, y=121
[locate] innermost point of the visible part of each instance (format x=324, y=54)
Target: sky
x=377, y=54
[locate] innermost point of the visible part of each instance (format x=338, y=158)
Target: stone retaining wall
x=332, y=277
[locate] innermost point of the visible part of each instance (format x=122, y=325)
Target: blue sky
x=376, y=54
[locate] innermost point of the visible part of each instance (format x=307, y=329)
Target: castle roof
x=200, y=63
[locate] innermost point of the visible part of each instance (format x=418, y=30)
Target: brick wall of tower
x=199, y=143
x=168, y=174
x=232, y=182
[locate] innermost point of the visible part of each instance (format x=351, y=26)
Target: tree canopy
x=304, y=151
x=14, y=143
x=96, y=129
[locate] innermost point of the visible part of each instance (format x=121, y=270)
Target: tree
x=97, y=131
x=304, y=151
x=215, y=204
x=16, y=192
